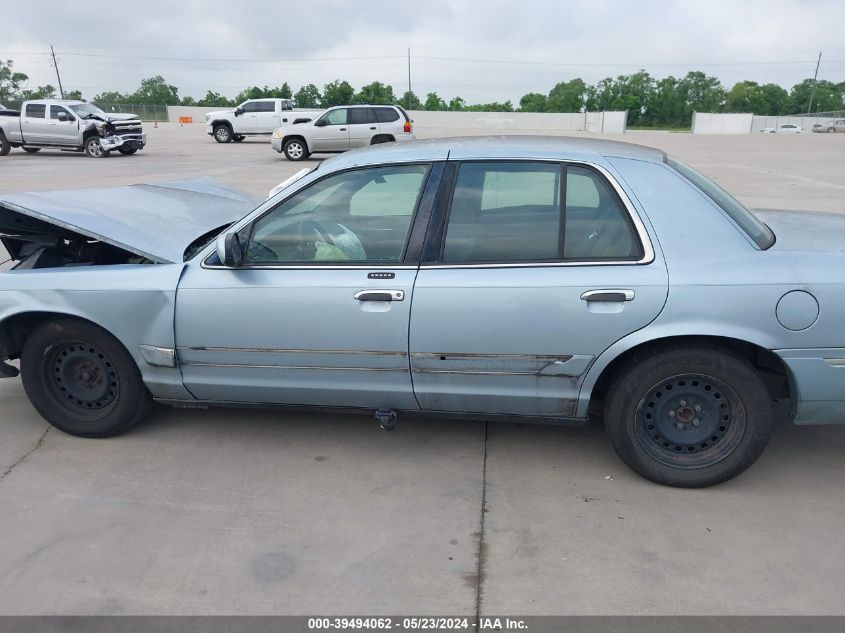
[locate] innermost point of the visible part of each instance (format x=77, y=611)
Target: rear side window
x=361, y=116
x=266, y=106
x=35, y=110
x=760, y=233
x=386, y=115
x=404, y=114
x=512, y=212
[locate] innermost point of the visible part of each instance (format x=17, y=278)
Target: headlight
x=277, y=134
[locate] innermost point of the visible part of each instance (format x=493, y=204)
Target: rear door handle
x=379, y=295
x=372, y=128
x=611, y=295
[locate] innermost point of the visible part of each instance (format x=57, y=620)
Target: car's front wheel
x=223, y=134
x=94, y=149
x=688, y=416
x=127, y=151
x=295, y=149
x=5, y=147
x=31, y=150
x=82, y=380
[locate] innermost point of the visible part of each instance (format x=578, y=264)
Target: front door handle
x=343, y=129
x=379, y=295
x=612, y=295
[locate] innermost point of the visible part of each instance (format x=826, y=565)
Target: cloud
x=494, y=50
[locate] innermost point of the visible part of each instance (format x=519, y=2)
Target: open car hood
x=156, y=221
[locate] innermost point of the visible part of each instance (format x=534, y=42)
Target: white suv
x=344, y=127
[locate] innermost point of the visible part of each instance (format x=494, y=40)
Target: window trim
x=633, y=218
x=431, y=173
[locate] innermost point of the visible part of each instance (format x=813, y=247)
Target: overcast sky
x=482, y=51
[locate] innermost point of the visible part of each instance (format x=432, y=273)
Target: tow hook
x=8, y=371
x=387, y=419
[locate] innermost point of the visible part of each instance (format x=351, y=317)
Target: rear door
x=267, y=116
x=331, y=131
x=362, y=126
x=533, y=269
x=35, y=126
x=64, y=132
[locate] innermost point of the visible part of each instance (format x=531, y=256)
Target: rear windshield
x=757, y=231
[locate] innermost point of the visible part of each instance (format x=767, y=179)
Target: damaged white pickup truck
x=71, y=126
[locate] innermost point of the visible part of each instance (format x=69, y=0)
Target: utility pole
x=59, y=77
x=409, y=69
x=815, y=77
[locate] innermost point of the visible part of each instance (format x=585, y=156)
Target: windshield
x=756, y=230
x=84, y=110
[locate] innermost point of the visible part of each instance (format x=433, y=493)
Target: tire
x=688, y=416
x=5, y=148
x=832, y=130
x=222, y=133
x=239, y=138
x=127, y=151
x=295, y=149
x=82, y=380
x=31, y=150
x=94, y=149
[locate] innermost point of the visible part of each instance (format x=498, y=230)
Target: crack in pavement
x=23, y=457
x=482, y=546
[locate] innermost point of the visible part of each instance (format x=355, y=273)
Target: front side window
x=35, y=110
x=512, y=212
x=360, y=216
x=760, y=233
x=249, y=106
x=335, y=117
x=55, y=110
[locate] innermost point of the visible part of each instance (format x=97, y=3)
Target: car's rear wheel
x=222, y=133
x=239, y=138
x=82, y=380
x=5, y=148
x=688, y=416
x=94, y=149
x=31, y=150
x=832, y=130
x=295, y=149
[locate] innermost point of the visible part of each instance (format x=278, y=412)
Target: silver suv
x=344, y=127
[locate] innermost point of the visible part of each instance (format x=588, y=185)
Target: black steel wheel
x=688, y=416
x=82, y=380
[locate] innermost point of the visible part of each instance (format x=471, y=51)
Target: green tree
x=494, y=106
x=376, y=93
x=111, y=97
x=41, y=92
x=745, y=96
x=307, y=97
x=73, y=94
x=214, y=99
x=776, y=99
x=828, y=96
x=155, y=91
x=457, y=104
x=188, y=101
x=627, y=92
x=567, y=96
x=533, y=102
x=337, y=93
x=10, y=81
x=666, y=106
x=433, y=102
x=285, y=92
x=410, y=101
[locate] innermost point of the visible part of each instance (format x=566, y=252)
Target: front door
x=247, y=121
x=64, y=132
x=318, y=313
x=331, y=132
x=541, y=267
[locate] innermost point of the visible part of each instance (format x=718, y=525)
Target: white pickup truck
x=70, y=125
x=254, y=117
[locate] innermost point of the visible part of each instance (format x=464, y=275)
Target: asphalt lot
x=261, y=512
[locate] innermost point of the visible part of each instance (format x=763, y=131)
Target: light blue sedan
x=513, y=278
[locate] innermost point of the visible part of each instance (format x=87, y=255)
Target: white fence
x=721, y=123
x=806, y=122
x=492, y=122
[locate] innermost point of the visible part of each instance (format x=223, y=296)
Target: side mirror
x=239, y=111
x=229, y=249
x=63, y=116
x=320, y=123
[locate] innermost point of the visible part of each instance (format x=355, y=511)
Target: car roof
x=477, y=147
